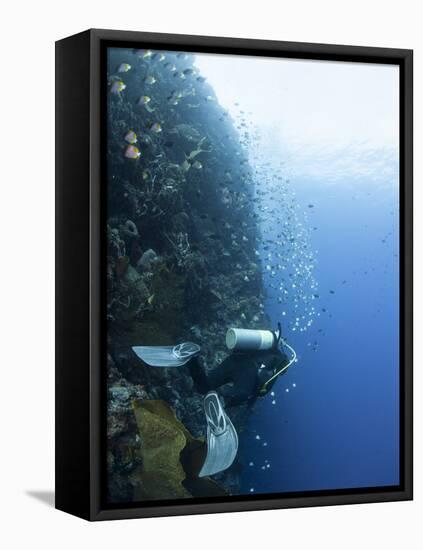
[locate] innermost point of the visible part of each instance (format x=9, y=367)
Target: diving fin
x=167, y=356
x=222, y=439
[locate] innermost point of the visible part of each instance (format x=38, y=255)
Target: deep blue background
x=339, y=427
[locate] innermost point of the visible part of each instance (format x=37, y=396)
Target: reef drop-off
x=182, y=263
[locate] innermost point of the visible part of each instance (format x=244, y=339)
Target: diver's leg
x=212, y=379
x=199, y=376
x=244, y=387
x=237, y=394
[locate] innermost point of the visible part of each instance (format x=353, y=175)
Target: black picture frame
x=80, y=318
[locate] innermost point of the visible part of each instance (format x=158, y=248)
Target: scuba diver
x=250, y=371
x=257, y=359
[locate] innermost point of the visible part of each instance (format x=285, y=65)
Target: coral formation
x=163, y=438
x=170, y=456
x=182, y=263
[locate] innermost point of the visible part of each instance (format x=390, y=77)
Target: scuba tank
x=242, y=339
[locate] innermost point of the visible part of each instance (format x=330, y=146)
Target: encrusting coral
x=170, y=456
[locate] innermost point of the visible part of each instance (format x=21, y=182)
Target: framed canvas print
x=234, y=254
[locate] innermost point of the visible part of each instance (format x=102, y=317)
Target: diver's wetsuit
x=246, y=371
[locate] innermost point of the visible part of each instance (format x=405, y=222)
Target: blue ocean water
x=214, y=178
x=333, y=420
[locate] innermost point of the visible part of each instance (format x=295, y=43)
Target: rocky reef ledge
x=182, y=260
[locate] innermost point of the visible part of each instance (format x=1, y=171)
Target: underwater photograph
x=252, y=228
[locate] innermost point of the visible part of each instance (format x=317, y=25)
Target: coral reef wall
x=182, y=235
